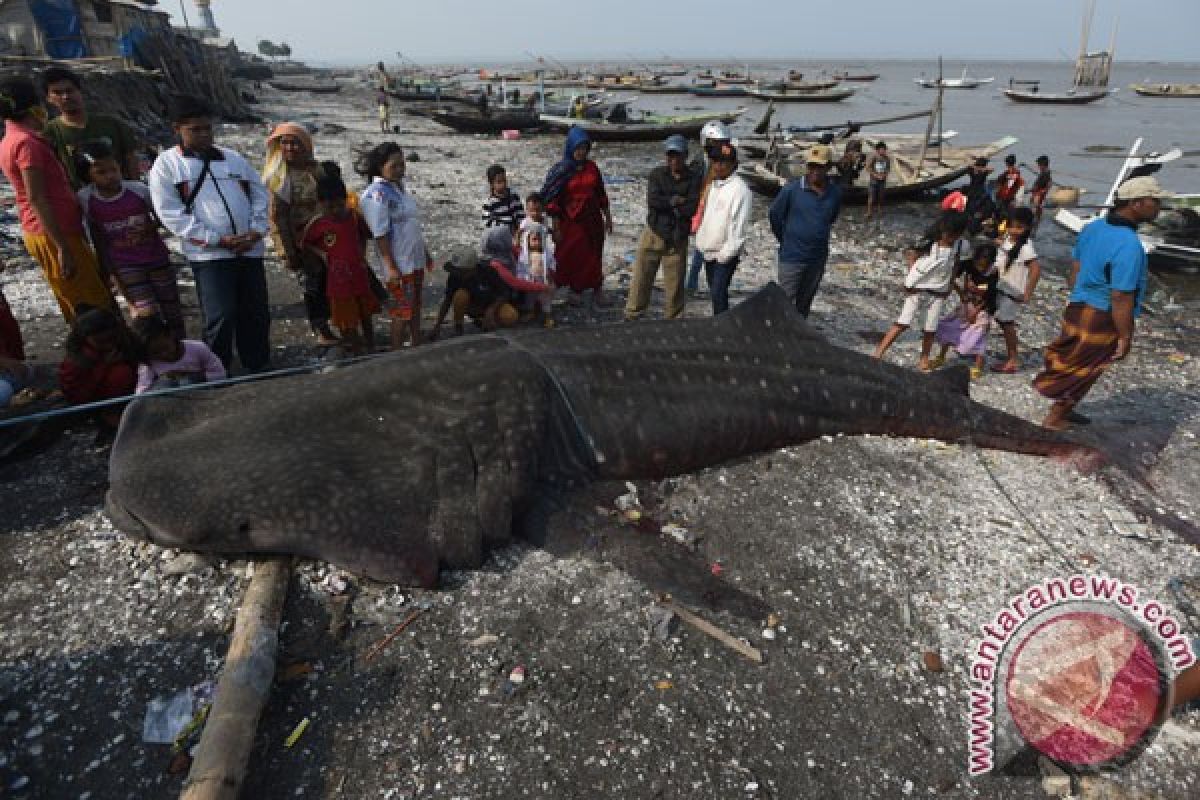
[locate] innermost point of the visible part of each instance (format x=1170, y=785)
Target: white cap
x=1144, y=186
x=714, y=132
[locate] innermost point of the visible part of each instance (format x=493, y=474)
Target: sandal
x=976, y=373
x=1006, y=368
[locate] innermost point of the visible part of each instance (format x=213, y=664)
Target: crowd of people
x=91, y=224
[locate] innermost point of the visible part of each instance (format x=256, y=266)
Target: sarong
x=1080, y=354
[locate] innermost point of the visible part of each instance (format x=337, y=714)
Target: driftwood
x=704, y=626
x=224, y=749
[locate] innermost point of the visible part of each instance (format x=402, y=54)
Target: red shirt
x=23, y=148
x=1009, y=184
x=341, y=241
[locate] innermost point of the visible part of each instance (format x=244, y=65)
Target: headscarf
x=498, y=246
x=563, y=171
x=275, y=170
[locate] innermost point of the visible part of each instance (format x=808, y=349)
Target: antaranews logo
x=1080, y=668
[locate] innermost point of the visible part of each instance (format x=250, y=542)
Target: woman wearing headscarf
x=576, y=200
x=291, y=173
x=51, y=222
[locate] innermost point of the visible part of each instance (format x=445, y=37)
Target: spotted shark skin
x=418, y=461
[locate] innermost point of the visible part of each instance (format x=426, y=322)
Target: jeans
x=693, y=277
x=233, y=300
x=719, y=275
x=800, y=280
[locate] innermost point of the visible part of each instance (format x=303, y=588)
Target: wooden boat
x=801, y=86
x=718, y=91
x=503, y=120
x=299, y=86
x=862, y=76
x=908, y=178
x=647, y=128
x=1173, y=241
x=953, y=83
x=785, y=96
x=664, y=88
x=1187, y=90
x=1071, y=97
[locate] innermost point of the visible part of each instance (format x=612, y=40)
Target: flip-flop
x=1007, y=369
x=1078, y=419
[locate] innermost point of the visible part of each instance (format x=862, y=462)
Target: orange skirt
x=349, y=313
x=406, y=295
x=86, y=286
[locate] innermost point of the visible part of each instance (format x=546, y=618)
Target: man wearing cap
x=672, y=193
x=802, y=218
x=1108, y=280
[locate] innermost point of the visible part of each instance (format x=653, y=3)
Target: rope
x=116, y=401
x=587, y=439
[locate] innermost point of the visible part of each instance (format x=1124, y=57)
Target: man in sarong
x=1108, y=281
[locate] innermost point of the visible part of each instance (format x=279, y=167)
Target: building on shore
x=72, y=29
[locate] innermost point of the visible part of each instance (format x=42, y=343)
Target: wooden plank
x=704, y=626
x=224, y=749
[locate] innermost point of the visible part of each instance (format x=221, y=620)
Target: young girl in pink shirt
x=168, y=361
x=125, y=232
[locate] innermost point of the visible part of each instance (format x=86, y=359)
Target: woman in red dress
x=575, y=198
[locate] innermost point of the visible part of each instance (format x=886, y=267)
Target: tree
x=268, y=48
x=285, y=50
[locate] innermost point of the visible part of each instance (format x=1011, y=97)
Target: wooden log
x=704, y=626
x=242, y=691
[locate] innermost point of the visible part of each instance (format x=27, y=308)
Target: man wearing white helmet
x=713, y=133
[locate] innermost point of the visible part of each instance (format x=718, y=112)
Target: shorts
x=933, y=310
x=406, y=296
x=348, y=313
x=1006, y=309
x=875, y=190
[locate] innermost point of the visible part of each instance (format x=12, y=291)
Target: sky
x=480, y=32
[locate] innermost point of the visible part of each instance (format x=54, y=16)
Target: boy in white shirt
x=928, y=283
x=721, y=236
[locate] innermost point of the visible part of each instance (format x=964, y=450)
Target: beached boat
x=648, y=127
x=963, y=82
x=785, y=96
x=468, y=122
x=908, y=178
x=1184, y=90
x=1173, y=241
x=305, y=86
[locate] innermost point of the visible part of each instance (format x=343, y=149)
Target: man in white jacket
x=721, y=236
x=215, y=202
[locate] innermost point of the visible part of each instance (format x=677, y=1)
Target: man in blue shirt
x=1108, y=279
x=802, y=218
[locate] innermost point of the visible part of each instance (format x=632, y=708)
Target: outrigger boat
x=1092, y=72
x=619, y=127
x=1173, y=241
x=799, y=96
x=953, y=83
x=1186, y=90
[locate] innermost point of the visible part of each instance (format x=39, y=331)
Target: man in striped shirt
x=503, y=206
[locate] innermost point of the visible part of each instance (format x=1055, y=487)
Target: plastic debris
x=662, y=621
x=662, y=686
x=768, y=634
x=716, y=568
x=932, y=661
x=773, y=620
x=484, y=640
x=517, y=676
x=166, y=717
x=296, y=733
x=335, y=583
x=628, y=501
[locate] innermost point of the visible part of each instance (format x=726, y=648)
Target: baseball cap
x=819, y=154
x=676, y=144
x=1135, y=188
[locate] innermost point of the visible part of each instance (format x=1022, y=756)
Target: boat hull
x=637, y=131
x=1051, y=98
x=802, y=97
x=495, y=123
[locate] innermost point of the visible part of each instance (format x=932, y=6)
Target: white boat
x=1164, y=248
x=953, y=83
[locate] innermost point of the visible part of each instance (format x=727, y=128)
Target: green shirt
x=65, y=138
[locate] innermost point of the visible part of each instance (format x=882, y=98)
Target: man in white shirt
x=215, y=202
x=721, y=236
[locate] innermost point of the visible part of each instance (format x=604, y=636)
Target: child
x=1017, y=275
x=101, y=362
x=394, y=219
x=168, y=361
x=535, y=262
x=1041, y=188
x=966, y=330
x=1008, y=185
x=339, y=237
x=124, y=230
x=503, y=206
x=929, y=281
x=15, y=374
x=385, y=114
x=878, y=167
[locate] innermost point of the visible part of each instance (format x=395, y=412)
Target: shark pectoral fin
x=956, y=378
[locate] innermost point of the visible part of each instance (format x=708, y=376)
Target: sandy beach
x=874, y=552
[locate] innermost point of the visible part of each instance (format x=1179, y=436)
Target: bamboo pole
x=224, y=749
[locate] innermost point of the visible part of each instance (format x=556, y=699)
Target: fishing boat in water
x=619, y=126
x=719, y=90
x=1092, y=71
x=1182, y=90
x=963, y=82
x=1173, y=240
x=794, y=96
x=855, y=76
x=1071, y=97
